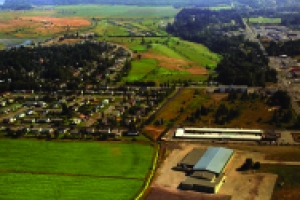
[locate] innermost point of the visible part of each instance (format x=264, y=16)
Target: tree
x=256, y=165
x=139, y=56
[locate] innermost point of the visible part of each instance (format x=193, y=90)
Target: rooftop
x=214, y=160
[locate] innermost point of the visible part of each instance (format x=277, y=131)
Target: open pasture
x=264, y=20
x=36, y=26
x=39, y=186
x=115, y=11
x=72, y=170
x=81, y=158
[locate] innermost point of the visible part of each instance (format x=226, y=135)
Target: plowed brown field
x=176, y=64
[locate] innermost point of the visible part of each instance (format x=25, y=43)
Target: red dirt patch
x=176, y=64
x=53, y=21
x=162, y=193
x=154, y=131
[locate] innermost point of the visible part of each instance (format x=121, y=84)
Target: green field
x=104, y=28
x=165, y=50
x=35, y=187
x=139, y=48
x=72, y=169
x=195, y=52
x=115, y=11
x=264, y=20
x=140, y=69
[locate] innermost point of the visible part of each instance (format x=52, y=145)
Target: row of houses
x=241, y=89
x=62, y=131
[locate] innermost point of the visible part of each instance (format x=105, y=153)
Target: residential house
x=75, y=133
x=36, y=131
x=9, y=120
x=76, y=121
x=45, y=120
x=29, y=120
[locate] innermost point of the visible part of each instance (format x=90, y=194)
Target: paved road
x=275, y=162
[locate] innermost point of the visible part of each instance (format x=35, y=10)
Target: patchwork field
x=264, y=20
x=36, y=26
x=72, y=169
x=176, y=60
x=117, y=11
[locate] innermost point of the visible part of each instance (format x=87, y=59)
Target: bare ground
x=177, y=64
x=163, y=193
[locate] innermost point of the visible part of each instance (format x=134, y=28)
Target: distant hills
x=27, y=4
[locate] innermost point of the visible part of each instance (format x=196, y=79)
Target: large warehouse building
x=219, y=133
x=207, y=168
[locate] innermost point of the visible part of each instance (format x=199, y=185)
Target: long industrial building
x=219, y=133
x=206, y=168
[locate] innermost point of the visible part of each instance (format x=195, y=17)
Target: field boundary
x=64, y=174
x=153, y=170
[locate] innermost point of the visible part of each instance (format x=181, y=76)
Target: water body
x=17, y=43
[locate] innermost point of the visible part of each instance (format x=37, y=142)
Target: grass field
x=140, y=69
x=264, y=20
x=289, y=175
x=176, y=59
x=72, y=169
x=35, y=187
x=104, y=28
x=139, y=48
x=165, y=50
x=116, y=11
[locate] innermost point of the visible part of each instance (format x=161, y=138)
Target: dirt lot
x=238, y=185
x=154, y=131
x=176, y=64
x=53, y=21
x=250, y=185
x=163, y=193
x=28, y=26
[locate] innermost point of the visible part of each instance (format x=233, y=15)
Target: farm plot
x=33, y=26
x=72, y=169
x=107, y=29
x=140, y=69
x=264, y=20
x=115, y=11
x=27, y=186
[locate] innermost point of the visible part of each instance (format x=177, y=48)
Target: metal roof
x=214, y=160
x=192, y=157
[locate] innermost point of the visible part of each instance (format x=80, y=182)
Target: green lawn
x=36, y=187
x=264, y=20
x=34, y=169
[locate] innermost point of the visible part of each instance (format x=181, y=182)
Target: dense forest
x=243, y=61
x=26, y=68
